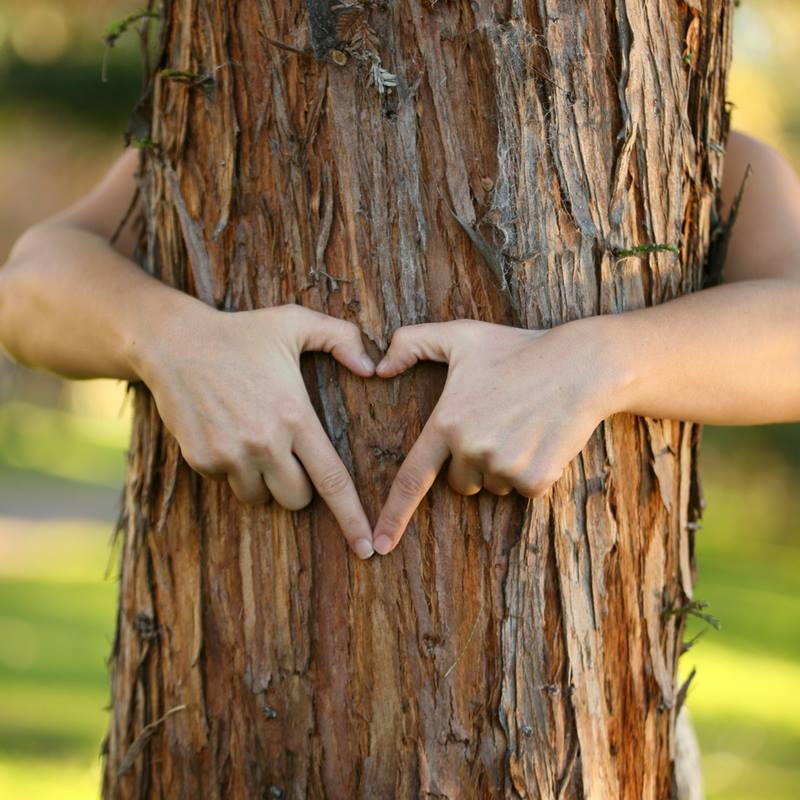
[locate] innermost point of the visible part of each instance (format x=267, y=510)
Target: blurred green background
x=62, y=445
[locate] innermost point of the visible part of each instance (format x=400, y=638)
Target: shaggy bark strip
x=518, y=160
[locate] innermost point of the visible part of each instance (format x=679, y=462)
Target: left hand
x=517, y=406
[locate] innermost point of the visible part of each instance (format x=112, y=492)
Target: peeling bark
x=507, y=648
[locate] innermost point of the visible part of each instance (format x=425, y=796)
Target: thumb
x=338, y=337
x=428, y=342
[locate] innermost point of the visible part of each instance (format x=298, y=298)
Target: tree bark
x=519, y=162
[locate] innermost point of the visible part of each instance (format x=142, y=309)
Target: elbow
x=13, y=301
x=6, y=292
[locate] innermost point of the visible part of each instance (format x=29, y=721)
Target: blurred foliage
x=765, y=79
x=51, y=56
x=62, y=447
x=60, y=124
x=72, y=91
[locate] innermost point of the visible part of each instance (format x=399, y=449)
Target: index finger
x=334, y=484
x=412, y=482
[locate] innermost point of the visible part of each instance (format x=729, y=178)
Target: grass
x=744, y=699
x=56, y=624
x=57, y=616
x=92, y=450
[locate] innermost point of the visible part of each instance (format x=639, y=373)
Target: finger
x=249, y=486
x=338, y=337
x=334, y=484
x=497, y=485
x=536, y=481
x=415, y=476
x=464, y=478
x=288, y=483
x=427, y=342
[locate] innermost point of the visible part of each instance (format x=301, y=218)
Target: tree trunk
x=534, y=163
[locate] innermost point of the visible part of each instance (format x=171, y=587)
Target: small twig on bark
x=466, y=644
x=688, y=645
x=199, y=260
x=117, y=29
x=569, y=770
x=681, y=696
x=289, y=47
x=721, y=236
x=125, y=217
x=142, y=739
x=697, y=609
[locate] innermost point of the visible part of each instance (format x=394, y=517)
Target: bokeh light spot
x=40, y=34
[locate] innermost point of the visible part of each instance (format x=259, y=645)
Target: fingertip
x=359, y=363
x=383, y=545
x=363, y=548
x=367, y=365
x=384, y=368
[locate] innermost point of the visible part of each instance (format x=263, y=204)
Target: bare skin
x=518, y=404
x=227, y=385
x=727, y=355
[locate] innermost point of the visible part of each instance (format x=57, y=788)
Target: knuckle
x=460, y=487
x=298, y=501
x=190, y=455
x=248, y=497
x=495, y=464
x=391, y=522
x=408, y=484
x=448, y=424
x=292, y=310
x=401, y=335
x=257, y=499
x=529, y=489
x=550, y=476
x=334, y=482
x=207, y=459
x=299, y=496
x=478, y=450
x=538, y=484
x=505, y=467
x=291, y=314
x=258, y=444
x=350, y=330
x=292, y=416
x=466, y=330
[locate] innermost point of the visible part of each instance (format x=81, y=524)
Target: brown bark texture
x=394, y=162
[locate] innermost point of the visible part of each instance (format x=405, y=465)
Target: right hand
x=229, y=388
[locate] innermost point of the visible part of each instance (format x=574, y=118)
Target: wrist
x=164, y=326
x=614, y=367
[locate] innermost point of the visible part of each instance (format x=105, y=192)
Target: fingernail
x=383, y=544
x=363, y=548
x=367, y=363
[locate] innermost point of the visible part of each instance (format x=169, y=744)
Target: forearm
x=71, y=304
x=729, y=355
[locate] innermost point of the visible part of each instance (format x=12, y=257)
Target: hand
x=229, y=388
x=517, y=406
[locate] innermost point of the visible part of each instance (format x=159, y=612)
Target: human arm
x=518, y=405
x=228, y=385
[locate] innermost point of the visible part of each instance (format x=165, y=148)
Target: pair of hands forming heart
x=517, y=406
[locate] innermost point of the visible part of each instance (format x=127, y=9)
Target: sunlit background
x=62, y=449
